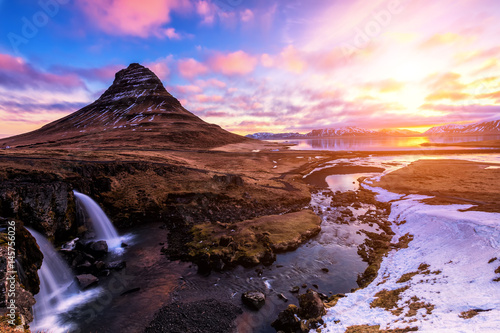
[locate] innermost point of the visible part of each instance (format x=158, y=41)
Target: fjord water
x=101, y=224
x=382, y=143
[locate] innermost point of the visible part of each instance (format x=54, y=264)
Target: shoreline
x=401, y=296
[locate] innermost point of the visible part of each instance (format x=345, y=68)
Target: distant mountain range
x=350, y=131
x=481, y=128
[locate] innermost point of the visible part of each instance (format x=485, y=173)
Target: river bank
x=446, y=279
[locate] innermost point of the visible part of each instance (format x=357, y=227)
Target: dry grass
x=468, y=314
x=252, y=238
x=376, y=329
x=448, y=181
x=388, y=300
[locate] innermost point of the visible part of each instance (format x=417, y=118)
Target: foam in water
x=58, y=290
x=103, y=227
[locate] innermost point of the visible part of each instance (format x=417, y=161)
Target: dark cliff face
x=42, y=200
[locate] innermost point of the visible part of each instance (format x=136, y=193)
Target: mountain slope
x=136, y=110
x=481, y=128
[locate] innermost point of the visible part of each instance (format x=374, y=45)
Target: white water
x=103, y=227
x=56, y=279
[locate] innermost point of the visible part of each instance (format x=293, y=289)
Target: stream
x=128, y=299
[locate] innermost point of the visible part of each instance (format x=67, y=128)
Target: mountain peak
x=136, y=110
x=133, y=82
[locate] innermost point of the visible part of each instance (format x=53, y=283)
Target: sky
x=258, y=65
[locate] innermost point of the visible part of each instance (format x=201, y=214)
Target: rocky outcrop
x=304, y=318
x=42, y=200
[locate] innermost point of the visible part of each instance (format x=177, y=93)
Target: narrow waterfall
x=56, y=282
x=102, y=226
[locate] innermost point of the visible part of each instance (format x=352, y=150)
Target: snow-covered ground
x=458, y=248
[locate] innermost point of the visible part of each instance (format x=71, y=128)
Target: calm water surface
x=384, y=143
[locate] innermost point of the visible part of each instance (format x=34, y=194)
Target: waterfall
x=102, y=226
x=56, y=282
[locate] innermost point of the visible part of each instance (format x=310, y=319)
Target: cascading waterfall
x=57, y=283
x=102, y=226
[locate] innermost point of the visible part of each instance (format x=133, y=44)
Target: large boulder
x=311, y=305
x=86, y=280
x=98, y=249
x=254, y=299
x=288, y=321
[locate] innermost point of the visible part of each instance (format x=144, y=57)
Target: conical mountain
x=135, y=111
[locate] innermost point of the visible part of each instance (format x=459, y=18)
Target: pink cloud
x=17, y=74
x=247, y=15
x=211, y=83
x=204, y=98
x=188, y=89
x=189, y=68
x=161, y=67
x=135, y=18
x=172, y=34
x=207, y=11
x=236, y=63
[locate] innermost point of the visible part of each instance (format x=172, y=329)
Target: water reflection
x=382, y=143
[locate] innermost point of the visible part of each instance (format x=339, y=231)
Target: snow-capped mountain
x=342, y=131
x=136, y=110
x=275, y=136
x=399, y=132
x=480, y=128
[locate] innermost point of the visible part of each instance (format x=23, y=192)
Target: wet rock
x=99, y=265
x=253, y=299
x=84, y=267
x=116, y=265
x=311, y=305
x=283, y=297
x=295, y=289
x=288, y=321
x=325, y=270
x=124, y=244
x=86, y=280
x=98, y=249
x=304, y=286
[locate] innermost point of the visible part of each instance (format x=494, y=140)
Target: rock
x=86, y=280
x=304, y=286
x=287, y=320
x=295, y=289
x=325, y=270
x=315, y=286
x=116, y=265
x=283, y=297
x=311, y=305
x=98, y=249
x=84, y=267
x=99, y=265
x=123, y=244
x=253, y=299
